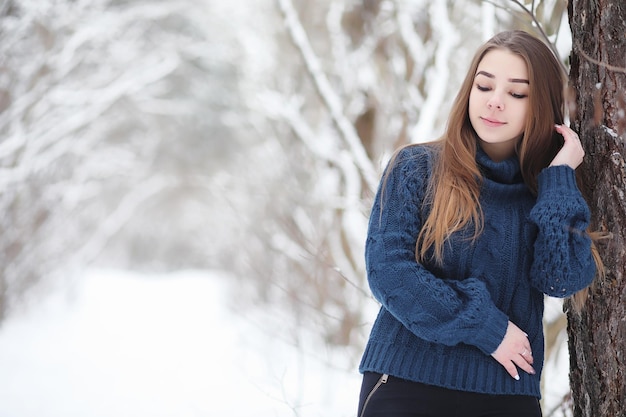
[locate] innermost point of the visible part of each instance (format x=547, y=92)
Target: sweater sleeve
x=563, y=263
x=436, y=309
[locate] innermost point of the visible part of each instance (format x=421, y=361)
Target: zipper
x=382, y=380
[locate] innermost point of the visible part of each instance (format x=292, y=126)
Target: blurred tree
x=598, y=76
x=114, y=121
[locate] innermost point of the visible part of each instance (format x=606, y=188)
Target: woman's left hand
x=572, y=152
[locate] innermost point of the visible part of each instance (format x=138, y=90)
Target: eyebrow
x=512, y=80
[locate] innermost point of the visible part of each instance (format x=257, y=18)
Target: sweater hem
x=461, y=368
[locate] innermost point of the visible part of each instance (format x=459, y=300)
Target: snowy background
x=185, y=190
x=125, y=344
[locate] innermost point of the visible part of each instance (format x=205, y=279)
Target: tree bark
x=597, y=336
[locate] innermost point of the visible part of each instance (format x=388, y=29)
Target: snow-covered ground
x=122, y=344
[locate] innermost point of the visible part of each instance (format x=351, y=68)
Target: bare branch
x=609, y=67
x=325, y=90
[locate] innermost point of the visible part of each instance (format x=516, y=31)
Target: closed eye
x=482, y=88
x=519, y=96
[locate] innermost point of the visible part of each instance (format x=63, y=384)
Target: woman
x=466, y=236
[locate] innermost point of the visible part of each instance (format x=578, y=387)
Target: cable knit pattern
x=439, y=324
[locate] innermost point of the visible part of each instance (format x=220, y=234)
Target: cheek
x=473, y=105
x=472, y=112
x=523, y=114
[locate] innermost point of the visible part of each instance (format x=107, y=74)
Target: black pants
x=396, y=397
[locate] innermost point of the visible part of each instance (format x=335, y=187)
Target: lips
x=492, y=122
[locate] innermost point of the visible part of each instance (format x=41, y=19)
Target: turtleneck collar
x=504, y=172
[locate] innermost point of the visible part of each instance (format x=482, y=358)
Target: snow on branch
x=51, y=143
x=118, y=218
x=325, y=90
x=350, y=204
x=439, y=75
x=414, y=44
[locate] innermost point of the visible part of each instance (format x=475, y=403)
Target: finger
x=563, y=128
x=511, y=369
x=567, y=133
x=528, y=356
x=520, y=361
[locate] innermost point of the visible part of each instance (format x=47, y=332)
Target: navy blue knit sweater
x=439, y=325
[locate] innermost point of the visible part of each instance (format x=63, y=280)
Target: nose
x=495, y=101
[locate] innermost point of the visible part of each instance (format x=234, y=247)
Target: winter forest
x=240, y=138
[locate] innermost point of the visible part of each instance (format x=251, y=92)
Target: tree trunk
x=597, y=336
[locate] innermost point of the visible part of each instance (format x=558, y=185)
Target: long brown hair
x=453, y=194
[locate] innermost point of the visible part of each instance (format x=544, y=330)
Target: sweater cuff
x=489, y=337
x=556, y=179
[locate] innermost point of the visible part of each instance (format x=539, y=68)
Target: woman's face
x=498, y=102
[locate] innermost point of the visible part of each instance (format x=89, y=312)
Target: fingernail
x=516, y=377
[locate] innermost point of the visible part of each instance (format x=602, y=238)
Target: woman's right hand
x=514, y=351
